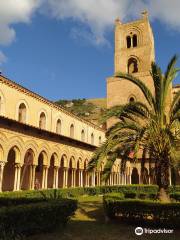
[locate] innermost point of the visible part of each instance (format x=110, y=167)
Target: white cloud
x=11, y=12
x=3, y=58
x=99, y=15
x=93, y=18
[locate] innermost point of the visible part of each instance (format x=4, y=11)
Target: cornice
x=28, y=92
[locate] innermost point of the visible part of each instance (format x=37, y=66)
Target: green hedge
x=139, y=190
x=9, y=201
x=34, y=218
x=143, y=211
x=175, y=195
x=74, y=192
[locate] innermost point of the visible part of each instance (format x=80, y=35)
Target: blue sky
x=65, y=58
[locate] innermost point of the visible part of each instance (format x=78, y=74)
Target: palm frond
x=156, y=74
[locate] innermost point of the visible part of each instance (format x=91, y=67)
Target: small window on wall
x=100, y=140
x=128, y=41
x=42, y=121
x=22, y=112
x=82, y=136
x=132, y=66
x=92, y=139
x=58, y=126
x=72, y=131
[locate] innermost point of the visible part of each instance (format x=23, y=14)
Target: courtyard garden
x=107, y=212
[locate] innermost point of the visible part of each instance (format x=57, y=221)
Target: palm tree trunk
x=162, y=175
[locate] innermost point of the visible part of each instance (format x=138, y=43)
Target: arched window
x=42, y=121
x=128, y=41
x=72, y=131
x=100, y=140
x=22, y=112
x=58, y=126
x=92, y=139
x=134, y=40
x=131, y=99
x=82, y=136
x=132, y=66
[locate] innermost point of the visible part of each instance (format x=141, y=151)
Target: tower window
x=128, y=40
x=132, y=66
x=131, y=100
x=134, y=40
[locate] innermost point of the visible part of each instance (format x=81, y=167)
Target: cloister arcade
x=29, y=163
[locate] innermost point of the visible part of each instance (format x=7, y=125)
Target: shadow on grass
x=89, y=224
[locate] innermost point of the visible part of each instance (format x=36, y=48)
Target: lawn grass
x=89, y=224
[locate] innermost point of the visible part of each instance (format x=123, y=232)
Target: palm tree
x=152, y=128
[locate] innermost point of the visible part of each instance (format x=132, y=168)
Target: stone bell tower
x=134, y=53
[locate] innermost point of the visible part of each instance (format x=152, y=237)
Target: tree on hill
x=152, y=127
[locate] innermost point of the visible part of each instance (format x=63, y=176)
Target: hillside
x=89, y=109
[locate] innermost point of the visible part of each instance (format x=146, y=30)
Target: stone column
x=66, y=183
x=57, y=177
x=125, y=178
x=54, y=177
x=2, y=164
x=65, y=177
x=43, y=177
x=17, y=177
x=130, y=173
x=46, y=177
x=81, y=178
x=87, y=179
x=32, y=178
x=74, y=178
x=119, y=179
x=170, y=182
x=115, y=180
x=93, y=179
x=122, y=178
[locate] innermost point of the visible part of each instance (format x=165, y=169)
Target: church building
x=42, y=145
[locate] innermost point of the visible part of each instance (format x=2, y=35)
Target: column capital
x=2, y=163
x=18, y=165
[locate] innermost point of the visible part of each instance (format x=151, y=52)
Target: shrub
x=129, y=194
x=115, y=195
x=152, y=196
x=75, y=192
x=143, y=211
x=34, y=218
x=175, y=196
x=142, y=195
x=9, y=201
